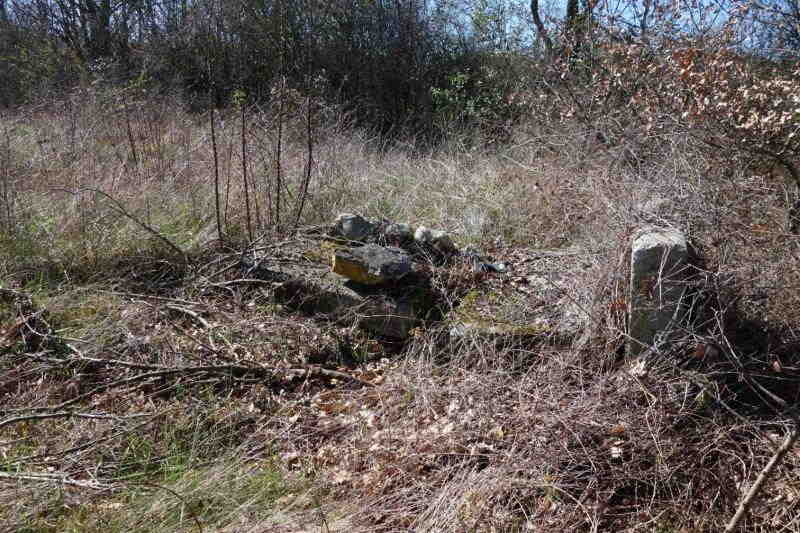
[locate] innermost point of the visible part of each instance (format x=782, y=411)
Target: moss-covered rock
x=499, y=316
x=539, y=305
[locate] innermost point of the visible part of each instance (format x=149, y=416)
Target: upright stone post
x=660, y=266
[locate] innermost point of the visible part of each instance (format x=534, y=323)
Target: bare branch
x=54, y=478
x=63, y=414
x=791, y=438
x=135, y=219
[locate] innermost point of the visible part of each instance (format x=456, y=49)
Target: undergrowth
x=147, y=386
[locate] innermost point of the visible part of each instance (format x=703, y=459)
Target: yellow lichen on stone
x=353, y=271
x=323, y=253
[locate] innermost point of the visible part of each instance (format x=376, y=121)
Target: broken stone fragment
x=314, y=290
x=337, y=298
x=353, y=227
x=423, y=235
x=480, y=263
x=390, y=317
x=436, y=238
x=372, y=264
x=398, y=233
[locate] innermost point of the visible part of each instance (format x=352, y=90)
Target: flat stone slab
x=331, y=295
x=372, y=264
x=536, y=303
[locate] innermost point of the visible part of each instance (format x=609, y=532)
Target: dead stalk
x=281, y=104
x=216, y=175
x=244, y=173
x=118, y=206
x=6, y=180
x=309, y=139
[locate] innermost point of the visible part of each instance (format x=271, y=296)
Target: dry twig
x=747, y=501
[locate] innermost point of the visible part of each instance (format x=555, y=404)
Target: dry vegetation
x=144, y=389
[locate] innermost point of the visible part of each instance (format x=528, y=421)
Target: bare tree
x=775, y=26
x=577, y=20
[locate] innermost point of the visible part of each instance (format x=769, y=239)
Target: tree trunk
x=540, y=29
x=99, y=22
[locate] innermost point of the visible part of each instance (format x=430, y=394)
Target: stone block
x=660, y=267
x=372, y=264
x=353, y=227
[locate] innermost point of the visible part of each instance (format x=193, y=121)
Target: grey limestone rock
x=438, y=239
x=398, y=233
x=660, y=267
x=353, y=227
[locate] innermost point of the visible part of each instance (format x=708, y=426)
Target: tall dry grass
x=70, y=168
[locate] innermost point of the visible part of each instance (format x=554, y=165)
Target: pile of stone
x=355, y=229
x=367, y=275
x=383, y=251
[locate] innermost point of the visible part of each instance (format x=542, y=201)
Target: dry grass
x=166, y=423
